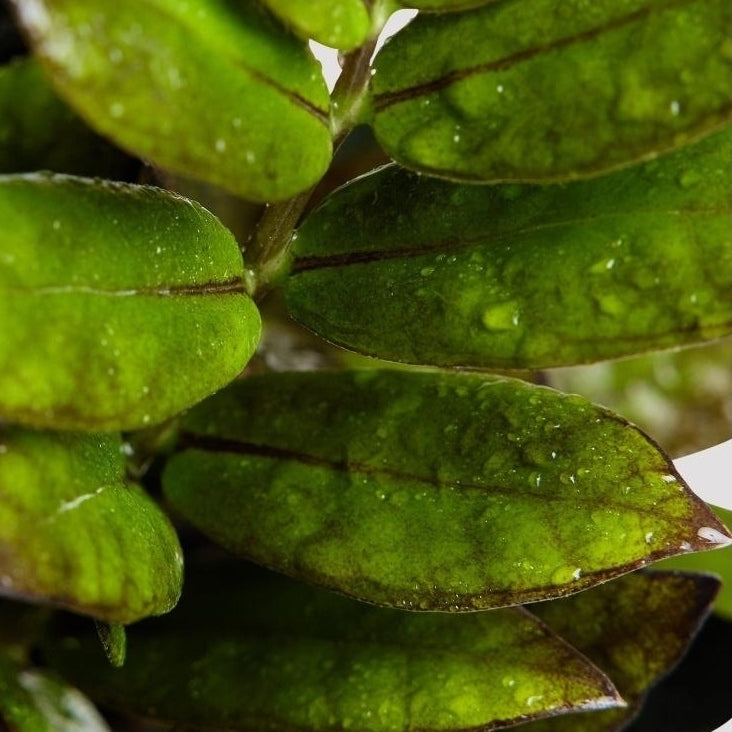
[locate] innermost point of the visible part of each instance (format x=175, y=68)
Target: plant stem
x=266, y=256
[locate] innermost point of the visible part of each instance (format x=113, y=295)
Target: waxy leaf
x=120, y=305
x=73, y=534
x=39, y=131
x=431, y=491
x=540, y=90
x=251, y=652
x=635, y=629
x=204, y=88
x=342, y=24
x=425, y=271
x=31, y=701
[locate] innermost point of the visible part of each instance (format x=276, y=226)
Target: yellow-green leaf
x=342, y=24
x=411, y=269
x=540, y=90
x=120, y=305
x=247, y=651
x=431, y=491
x=73, y=534
x=206, y=88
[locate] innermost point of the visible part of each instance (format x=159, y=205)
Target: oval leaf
x=31, y=701
x=74, y=535
x=201, y=88
x=636, y=629
x=431, y=491
x=508, y=276
x=272, y=654
x=121, y=305
x=484, y=95
x=342, y=24
x=38, y=131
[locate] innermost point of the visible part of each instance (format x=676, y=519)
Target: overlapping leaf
x=538, y=90
x=635, y=629
x=207, y=88
x=426, y=271
x=342, y=24
x=431, y=491
x=31, y=701
x=72, y=533
x=38, y=131
x=121, y=305
x=249, y=652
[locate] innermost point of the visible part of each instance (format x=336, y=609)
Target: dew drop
x=220, y=145
x=649, y=537
x=707, y=533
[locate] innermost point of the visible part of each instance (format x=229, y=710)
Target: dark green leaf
x=342, y=24
x=539, y=89
x=636, y=629
x=253, y=652
x=202, y=88
x=73, y=534
x=431, y=491
x=425, y=271
x=31, y=701
x=38, y=131
x=114, y=641
x=120, y=305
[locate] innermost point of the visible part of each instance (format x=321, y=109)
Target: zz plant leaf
x=272, y=654
x=431, y=491
x=635, y=628
x=538, y=90
x=74, y=534
x=121, y=305
x=259, y=124
x=509, y=276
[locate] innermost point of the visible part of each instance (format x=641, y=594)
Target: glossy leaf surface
x=430, y=491
x=485, y=95
x=251, y=652
x=510, y=276
x=73, y=534
x=635, y=629
x=31, y=701
x=342, y=24
x=121, y=305
x=207, y=88
x=39, y=131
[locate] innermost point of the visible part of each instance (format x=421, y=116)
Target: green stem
x=267, y=254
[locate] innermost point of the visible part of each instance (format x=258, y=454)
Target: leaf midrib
x=387, y=99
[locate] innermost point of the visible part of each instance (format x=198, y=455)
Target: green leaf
x=510, y=276
x=342, y=24
x=38, y=131
x=430, y=491
x=121, y=305
x=203, y=88
x=539, y=90
x=444, y=6
x=114, y=641
x=636, y=629
x=73, y=534
x=31, y=701
x=252, y=652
